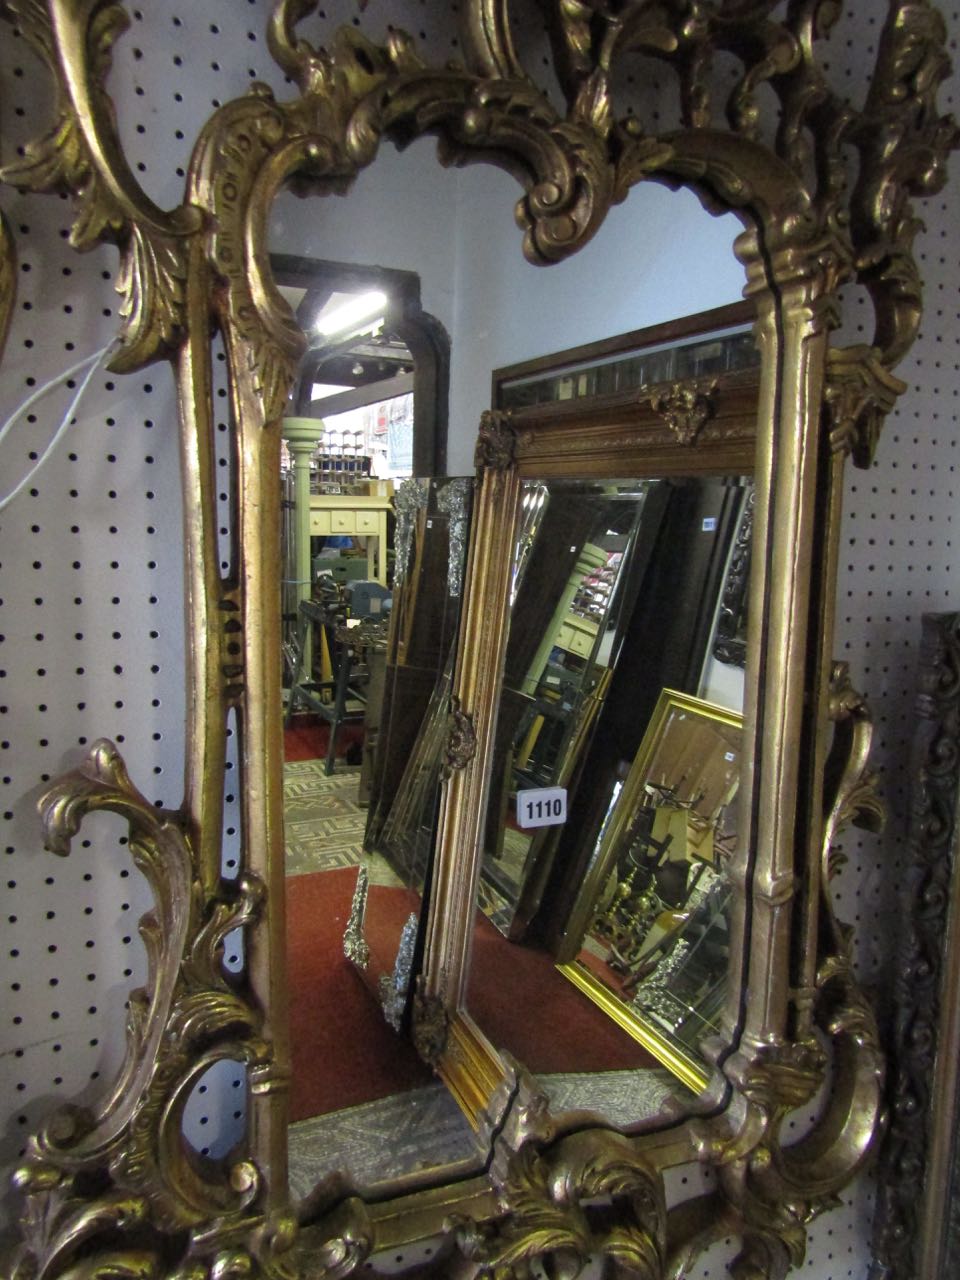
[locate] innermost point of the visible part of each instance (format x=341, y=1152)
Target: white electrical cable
x=91, y=364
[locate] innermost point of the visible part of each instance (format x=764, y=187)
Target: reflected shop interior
x=612, y=799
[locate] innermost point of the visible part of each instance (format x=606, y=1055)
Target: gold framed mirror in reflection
x=648, y=936
x=610, y=590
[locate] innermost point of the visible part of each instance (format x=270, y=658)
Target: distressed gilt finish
x=115, y=1192
x=685, y=407
x=916, y=1227
x=730, y=645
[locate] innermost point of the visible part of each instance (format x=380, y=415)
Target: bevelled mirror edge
x=254, y=1210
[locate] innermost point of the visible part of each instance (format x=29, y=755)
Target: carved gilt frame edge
x=913, y=1219
x=169, y=263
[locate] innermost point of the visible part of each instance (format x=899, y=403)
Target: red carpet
x=342, y=1050
x=308, y=736
x=526, y=1006
x=344, y=1053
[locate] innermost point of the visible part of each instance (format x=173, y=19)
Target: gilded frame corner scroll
x=116, y=1191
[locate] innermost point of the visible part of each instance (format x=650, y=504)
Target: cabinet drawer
x=581, y=642
x=368, y=521
x=319, y=523
x=575, y=639
x=343, y=522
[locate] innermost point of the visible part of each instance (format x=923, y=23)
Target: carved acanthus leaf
x=852, y=790
x=461, y=745
x=859, y=394
x=496, y=441
x=186, y=1019
x=781, y=1078
x=80, y=156
x=903, y=143
x=685, y=407
x=60, y=160
x=551, y=1205
x=239, y=908
x=226, y=169
x=152, y=283
x=431, y=1027
x=333, y=1249
x=309, y=68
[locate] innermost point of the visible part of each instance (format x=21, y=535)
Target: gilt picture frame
x=917, y=1227
x=657, y=822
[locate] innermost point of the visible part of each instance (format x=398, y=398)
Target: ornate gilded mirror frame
x=915, y=1231
x=115, y=1191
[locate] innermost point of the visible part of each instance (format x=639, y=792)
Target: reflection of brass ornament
x=408, y=501
x=112, y=1190
x=653, y=992
x=685, y=406
x=454, y=501
x=461, y=739
x=730, y=644
x=496, y=441
x=368, y=633
x=431, y=1026
x=354, y=943
x=395, y=987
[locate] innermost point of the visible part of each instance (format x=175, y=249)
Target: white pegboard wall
x=91, y=578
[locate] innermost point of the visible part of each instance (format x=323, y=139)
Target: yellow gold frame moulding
x=681, y=1060
x=113, y=1190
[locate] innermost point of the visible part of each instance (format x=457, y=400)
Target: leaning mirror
x=573, y=117
x=613, y=591
x=649, y=932
x=373, y=571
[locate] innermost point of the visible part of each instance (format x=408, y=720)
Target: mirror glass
x=616, y=594
x=374, y=563
x=452, y=233
x=650, y=922
x=364, y=739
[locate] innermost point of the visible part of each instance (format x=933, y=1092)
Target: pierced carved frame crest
x=826, y=197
